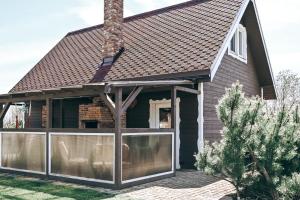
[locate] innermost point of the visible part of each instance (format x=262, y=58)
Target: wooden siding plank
x=230, y=71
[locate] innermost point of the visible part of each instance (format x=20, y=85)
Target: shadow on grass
x=49, y=188
x=7, y=197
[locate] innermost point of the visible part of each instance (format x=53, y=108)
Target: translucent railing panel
x=83, y=156
x=23, y=151
x=146, y=155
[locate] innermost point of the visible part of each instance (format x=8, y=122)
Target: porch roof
x=85, y=90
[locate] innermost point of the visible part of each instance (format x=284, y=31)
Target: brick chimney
x=113, y=34
x=113, y=27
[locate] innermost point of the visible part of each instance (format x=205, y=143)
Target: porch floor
x=187, y=185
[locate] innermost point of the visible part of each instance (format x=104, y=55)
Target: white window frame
x=155, y=105
x=236, y=52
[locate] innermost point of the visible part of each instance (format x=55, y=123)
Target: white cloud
x=281, y=24
x=91, y=11
x=23, y=52
x=276, y=14
x=17, y=59
x=288, y=60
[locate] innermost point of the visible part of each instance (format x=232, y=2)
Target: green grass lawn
x=16, y=188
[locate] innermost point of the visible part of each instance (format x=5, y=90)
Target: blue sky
x=29, y=29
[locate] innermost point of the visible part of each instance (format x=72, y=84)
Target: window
x=238, y=44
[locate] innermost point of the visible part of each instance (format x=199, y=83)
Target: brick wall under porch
x=92, y=112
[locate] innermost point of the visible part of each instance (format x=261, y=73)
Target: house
x=132, y=100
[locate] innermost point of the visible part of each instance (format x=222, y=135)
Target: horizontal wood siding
x=35, y=119
x=230, y=71
x=138, y=117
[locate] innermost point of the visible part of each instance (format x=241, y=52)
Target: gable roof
x=180, y=39
x=187, y=40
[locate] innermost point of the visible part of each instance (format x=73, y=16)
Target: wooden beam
x=41, y=96
x=4, y=110
x=49, y=105
x=132, y=96
x=109, y=103
x=188, y=90
x=146, y=83
x=173, y=120
x=118, y=137
x=1, y=121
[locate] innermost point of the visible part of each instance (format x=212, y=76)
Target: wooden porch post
x=49, y=105
x=3, y=111
x=173, y=121
x=118, y=137
x=1, y=120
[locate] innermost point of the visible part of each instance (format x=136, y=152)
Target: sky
x=29, y=29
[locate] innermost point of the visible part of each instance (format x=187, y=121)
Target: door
x=160, y=117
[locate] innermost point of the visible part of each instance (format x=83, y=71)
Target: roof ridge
x=142, y=15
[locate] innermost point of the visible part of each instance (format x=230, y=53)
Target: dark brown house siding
x=35, y=119
x=230, y=71
x=138, y=117
x=66, y=116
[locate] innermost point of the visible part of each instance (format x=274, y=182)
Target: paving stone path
x=187, y=185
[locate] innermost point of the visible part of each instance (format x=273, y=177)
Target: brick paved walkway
x=187, y=185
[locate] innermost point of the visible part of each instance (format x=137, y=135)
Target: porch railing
x=23, y=151
x=89, y=155
x=146, y=155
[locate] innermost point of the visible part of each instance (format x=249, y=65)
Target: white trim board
x=200, y=119
x=217, y=62
x=154, y=120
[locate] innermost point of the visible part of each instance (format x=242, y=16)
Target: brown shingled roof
x=181, y=38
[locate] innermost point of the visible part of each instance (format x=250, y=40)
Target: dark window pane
x=232, y=44
x=241, y=46
x=165, y=118
x=91, y=124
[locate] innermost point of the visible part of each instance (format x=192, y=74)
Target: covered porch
x=104, y=153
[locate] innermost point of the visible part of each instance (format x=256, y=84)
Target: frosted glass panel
x=85, y=156
x=146, y=155
x=23, y=151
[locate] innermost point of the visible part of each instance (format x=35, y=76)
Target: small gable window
x=238, y=44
